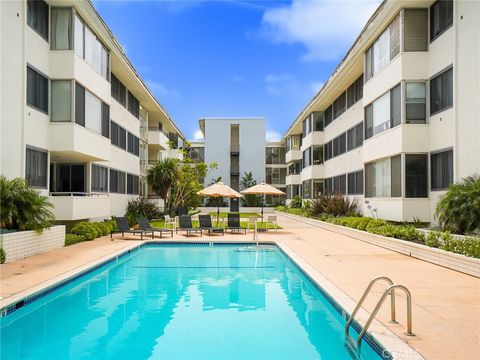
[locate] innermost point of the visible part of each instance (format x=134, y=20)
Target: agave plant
x=22, y=208
x=141, y=206
x=458, y=210
x=334, y=205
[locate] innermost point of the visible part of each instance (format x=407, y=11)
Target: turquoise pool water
x=182, y=302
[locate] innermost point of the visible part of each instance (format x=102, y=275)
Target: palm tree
x=246, y=182
x=162, y=176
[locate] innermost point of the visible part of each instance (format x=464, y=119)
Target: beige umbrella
x=262, y=189
x=219, y=189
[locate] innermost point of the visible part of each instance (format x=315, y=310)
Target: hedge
x=71, y=239
x=91, y=230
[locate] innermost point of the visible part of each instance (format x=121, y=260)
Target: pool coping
x=378, y=336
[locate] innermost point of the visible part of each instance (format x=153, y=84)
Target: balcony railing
x=75, y=193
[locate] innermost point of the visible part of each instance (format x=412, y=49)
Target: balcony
x=158, y=138
x=293, y=155
x=399, y=209
x=293, y=179
x=72, y=142
x=172, y=153
x=77, y=206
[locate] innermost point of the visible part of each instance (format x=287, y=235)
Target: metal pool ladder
x=388, y=291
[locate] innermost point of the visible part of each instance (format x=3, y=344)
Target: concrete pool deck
x=446, y=303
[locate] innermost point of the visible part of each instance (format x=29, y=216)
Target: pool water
x=182, y=302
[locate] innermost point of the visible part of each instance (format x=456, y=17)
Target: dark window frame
x=433, y=36
x=29, y=176
x=442, y=72
x=34, y=27
x=37, y=75
x=444, y=184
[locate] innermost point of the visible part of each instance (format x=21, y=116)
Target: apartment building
x=238, y=146
x=398, y=120
x=77, y=121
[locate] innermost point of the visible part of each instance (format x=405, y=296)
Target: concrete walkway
x=446, y=303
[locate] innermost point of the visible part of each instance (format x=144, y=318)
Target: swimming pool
x=179, y=301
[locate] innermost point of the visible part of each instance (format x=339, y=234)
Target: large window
x=133, y=144
x=441, y=91
x=415, y=33
x=335, y=185
x=90, y=111
x=36, y=167
x=133, y=105
x=61, y=29
x=118, y=135
x=99, y=178
x=415, y=102
x=119, y=92
x=328, y=115
x=328, y=150
x=37, y=17
x=355, y=137
x=441, y=164
x=317, y=154
x=441, y=17
x=70, y=178
x=416, y=175
x=117, y=181
x=383, y=113
x=61, y=98
x=307, y=157
x=340, y=144
x=355, y=183
x=37, y=90
x=317, y=121
x=132, y=184
x=197, y=154
x=355, y=92
x=383, y=178
x=317, y=188
x=340, y=105
x=90, y=48
x=275, y=155
x=276, y=176
x=307, y=189
x=384, y=49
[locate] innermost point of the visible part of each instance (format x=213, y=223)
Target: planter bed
x=462, y=263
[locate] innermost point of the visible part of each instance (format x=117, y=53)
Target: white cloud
x=325, y=28
x=273, y=136
x=197, y=135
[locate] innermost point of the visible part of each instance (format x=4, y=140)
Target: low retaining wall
x=20, y=244
x=462, y=263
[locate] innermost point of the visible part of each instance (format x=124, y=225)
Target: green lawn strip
x=243, y=224
x=242, y=214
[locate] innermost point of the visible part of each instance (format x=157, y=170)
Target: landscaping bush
x=296, y=202
x=112, y=223
x=85, y=229
x=469, y=246
x=141, y=206
x=363, y=223
x=3, y=256
x=458, y=210
x=105, y=227
x=374, y=223
x=71, y=239
x=334, y=205
x=433, y=239
x=22, y=208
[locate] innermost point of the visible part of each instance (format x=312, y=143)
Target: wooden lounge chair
x=145, y=225
x=123, y=228
x=233, y=223
x=206, y=224
x=185, y=222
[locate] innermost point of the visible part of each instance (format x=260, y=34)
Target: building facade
x=77, y=121
x=398, y=120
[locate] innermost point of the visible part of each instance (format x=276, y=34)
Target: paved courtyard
x=446, y=303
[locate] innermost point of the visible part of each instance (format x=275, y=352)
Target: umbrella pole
x=263, y=198
x=218, y=209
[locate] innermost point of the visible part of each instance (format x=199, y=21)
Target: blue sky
x=235, y=58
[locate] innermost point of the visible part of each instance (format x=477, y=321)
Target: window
x=306, y=126
x=339, y=105
x=355, y=137
x=328, y=150
x=441, y=17
x=340, y=184
x=307, y=157
x=133, y=105
x=355, y=183
x=441, y=164
x=105, y=120
x=307, y=186
x=355, y=92
x=276, y=176
x=36, y=168
x=415, y=102
x=37, y=17
x=70, y=178
x=197, y=154
x=416, y=178
x=133, y=144
x=317, y=188
x=119, y=92
x=383, y=113
x=90, y=48
x=441, y=91
x=383, y=50
x=117, y=181
x=328, y=115
x=99, y=178
x=383, y=178
x=79, y=104
x=317, y=154
x=61, y=29
x=317, y=121
x=328, y=186
x=91, y=112
x=339, y=145
x=118, y=135
x=415, y=33
x=132, y=184
x=275, y=155
x=61, y=98
x=37, y=90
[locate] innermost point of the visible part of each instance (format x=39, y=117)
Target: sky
x=233, y=58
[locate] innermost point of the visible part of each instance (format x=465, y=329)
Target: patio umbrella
x=262, y=189
x=219, y=189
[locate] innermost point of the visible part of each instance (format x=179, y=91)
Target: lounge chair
x=233, y=223
x=206, y=224
x=145, y=225
x=185, y=222
x=170, y=222
x=272, y=219
x=123, y=228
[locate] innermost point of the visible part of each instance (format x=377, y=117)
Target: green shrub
x=23, y=208
x=469, y=246
x=374, y=223
x=433, y=239
x=334, y=205
x=105, y=227
x=3, y=256
x=296, y=202
x=458, y=210
x=141, y=206
x=71, y=239
x=85, y=229
x=112, y=223
x=363, y=223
